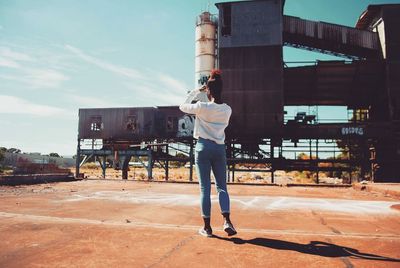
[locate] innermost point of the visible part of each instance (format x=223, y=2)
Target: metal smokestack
x=205, y=48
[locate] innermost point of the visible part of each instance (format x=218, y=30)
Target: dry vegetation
x=92, y=170
x=175, y=174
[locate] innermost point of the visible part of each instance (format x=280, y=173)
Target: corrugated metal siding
x=251, y=23
x=331, y=37
x=391, y=17
x=334, y=83
x=330, y=32
x=253, y=87
x=129, y=124
x=250, y=58
x=167, y=121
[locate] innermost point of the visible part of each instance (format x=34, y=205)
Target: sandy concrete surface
x=392, y=189
x=98, y=223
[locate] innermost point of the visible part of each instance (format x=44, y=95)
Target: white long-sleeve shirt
x=211, y=118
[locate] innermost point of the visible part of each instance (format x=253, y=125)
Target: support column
x=167, y=162
x=233, y=172
x=316, y=157
x=229, y=166
x=78, y=159
x=102, y=165
x=272, y=161
x=191, y=156
x=149, y=164
x=229, y=172
x=125, y=166
x=350, y=158
x=232, y=156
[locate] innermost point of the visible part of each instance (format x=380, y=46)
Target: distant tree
x=3, y=149
x=54, y=155
x=1, y=159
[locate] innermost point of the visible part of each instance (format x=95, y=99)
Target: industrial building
x=245, y=41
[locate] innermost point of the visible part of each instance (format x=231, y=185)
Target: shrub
x=91, y=165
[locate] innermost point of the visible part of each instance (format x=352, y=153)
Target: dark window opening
x=226, y=20
x=171, y=122
x=96, y=124
x=131, y=123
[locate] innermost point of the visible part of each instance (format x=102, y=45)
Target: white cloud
x=27, y=71
x=6, y=52
x=44, y=78
x=151, y=87
x=148, y=95
x=172, y=83
x=91, y=102
x=10, y=58
x=15, y=105
x=13, y=78
x=37, y=78
x=128, y=72
x=8, y=63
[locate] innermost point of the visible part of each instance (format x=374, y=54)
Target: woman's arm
x=190, y=108
x=194, y=95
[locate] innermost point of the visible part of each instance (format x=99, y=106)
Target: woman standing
x=211, y=120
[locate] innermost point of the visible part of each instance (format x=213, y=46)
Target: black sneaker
x=229, y=229
x=206, y=233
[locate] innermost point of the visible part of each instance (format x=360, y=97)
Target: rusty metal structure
x=120, y=134
x=258, y=85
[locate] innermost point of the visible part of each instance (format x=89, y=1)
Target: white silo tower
x=206, y=25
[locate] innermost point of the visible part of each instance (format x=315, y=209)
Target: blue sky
x=57, y=56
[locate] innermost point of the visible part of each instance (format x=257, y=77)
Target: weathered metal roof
x=233, y=2
x=370, y=14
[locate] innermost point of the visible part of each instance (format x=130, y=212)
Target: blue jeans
x=210, y=155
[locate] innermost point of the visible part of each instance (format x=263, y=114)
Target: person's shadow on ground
x=319, y=248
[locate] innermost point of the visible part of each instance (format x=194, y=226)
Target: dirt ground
x=115, y=223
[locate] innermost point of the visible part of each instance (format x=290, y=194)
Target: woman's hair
x=214, y=84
